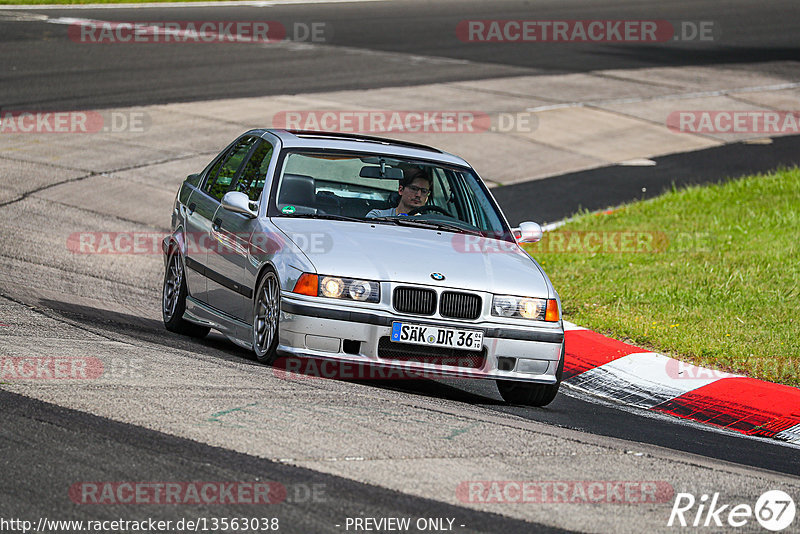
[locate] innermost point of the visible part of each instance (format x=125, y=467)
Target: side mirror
x=528, y=232
x=238, y=202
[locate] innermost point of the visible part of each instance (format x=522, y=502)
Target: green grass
x=716, y=281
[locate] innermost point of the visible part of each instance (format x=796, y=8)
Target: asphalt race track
x=56, y=445
x=175, y=409
x=43, y=69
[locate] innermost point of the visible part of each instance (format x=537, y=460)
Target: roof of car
x=362, y=143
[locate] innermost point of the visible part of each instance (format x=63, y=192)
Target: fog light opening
x=504, y=363
x=351, y=346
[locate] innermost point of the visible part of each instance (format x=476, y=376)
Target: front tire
x=266, y=311
x=173, y=300
x=514, y=392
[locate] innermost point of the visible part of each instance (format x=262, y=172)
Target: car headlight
x=337, y=287
x=525, y=308
x=363, y=290
x=331, y=287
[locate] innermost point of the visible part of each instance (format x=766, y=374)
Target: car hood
x=410, y=255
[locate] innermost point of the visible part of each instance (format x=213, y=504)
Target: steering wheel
x=429, y=207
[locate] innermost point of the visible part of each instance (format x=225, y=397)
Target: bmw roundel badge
x=437, y=276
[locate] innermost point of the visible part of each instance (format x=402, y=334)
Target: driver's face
x=412, y=195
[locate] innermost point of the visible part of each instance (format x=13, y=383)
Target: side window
x=212, y=174
x=218, y=185
x=441, y=189
x=254, y=174
x=460, y=198
x=480, y=211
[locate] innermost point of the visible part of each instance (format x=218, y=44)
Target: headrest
x=297, y=189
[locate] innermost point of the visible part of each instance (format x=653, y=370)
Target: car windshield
x=369, y=188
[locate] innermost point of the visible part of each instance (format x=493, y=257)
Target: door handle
x=217, y=224
x=192, y=206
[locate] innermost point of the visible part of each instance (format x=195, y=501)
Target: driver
x=414, y=190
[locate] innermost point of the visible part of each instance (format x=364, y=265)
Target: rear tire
x=514, y=392
x=173, y=300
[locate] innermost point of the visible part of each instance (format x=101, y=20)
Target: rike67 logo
x=774, y=510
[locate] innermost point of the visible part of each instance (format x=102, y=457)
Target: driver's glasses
x=421, y=190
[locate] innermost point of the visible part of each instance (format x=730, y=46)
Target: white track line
x=792, y=435
x=244, y=3
x=674, y=96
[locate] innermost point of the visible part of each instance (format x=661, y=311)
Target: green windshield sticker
x=288, y=210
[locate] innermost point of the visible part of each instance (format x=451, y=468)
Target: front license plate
x=437, y=336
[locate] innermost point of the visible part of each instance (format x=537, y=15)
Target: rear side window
x=254, y=174
x=222, y=174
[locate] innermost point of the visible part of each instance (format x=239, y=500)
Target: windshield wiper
x=456, y=228
x=432, y=225
x=404, y=221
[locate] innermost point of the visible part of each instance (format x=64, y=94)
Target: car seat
x=297, y=190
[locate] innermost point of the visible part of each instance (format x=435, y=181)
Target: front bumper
x=529, y=354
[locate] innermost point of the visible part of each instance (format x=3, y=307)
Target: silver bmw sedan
x=383, y=254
